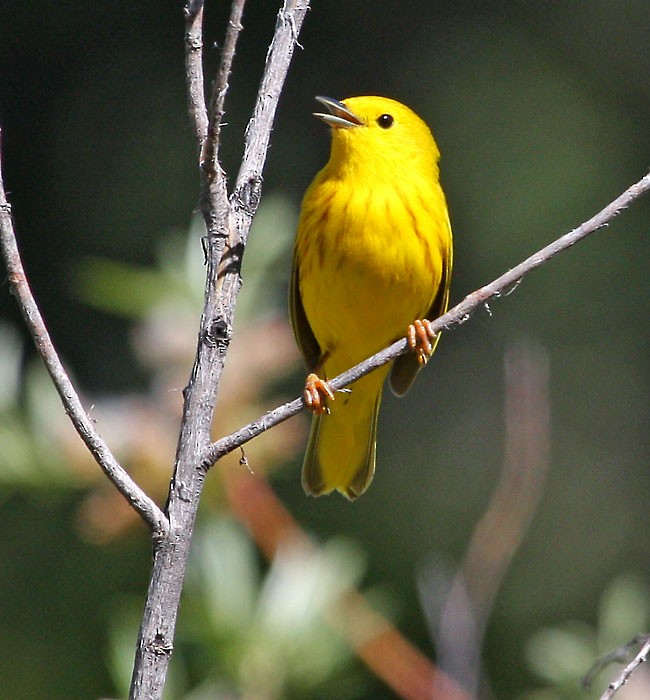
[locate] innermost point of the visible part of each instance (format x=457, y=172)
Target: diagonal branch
x=136, y=497
x=625, y=675
x=454, y=317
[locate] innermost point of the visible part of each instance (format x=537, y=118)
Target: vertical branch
x=194, y=70
x=226, y=237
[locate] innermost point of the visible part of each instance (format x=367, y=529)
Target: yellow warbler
x=372, y=262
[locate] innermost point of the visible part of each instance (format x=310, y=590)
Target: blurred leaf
x=31, y=418
x=225, y=567
x=134, y=291
x=252, y=633
x=624, y=612
x=561, y=654
x=122, y=289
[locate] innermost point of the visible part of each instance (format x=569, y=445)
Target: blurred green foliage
x=246, y=631
x=562, y=655
x=539, y=110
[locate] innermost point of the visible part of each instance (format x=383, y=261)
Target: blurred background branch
x=459, y=626
x=374, y=639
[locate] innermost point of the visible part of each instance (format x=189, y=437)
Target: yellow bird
x=372, y=262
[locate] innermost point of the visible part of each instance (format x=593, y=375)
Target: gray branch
x=227, y=221
x=625, y=675
x=501, y=286
x=81, y=421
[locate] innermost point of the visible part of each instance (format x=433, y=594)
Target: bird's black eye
x=385, y=121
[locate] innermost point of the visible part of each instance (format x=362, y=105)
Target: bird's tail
x=342, y=444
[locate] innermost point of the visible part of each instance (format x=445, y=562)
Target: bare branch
x=616, y=685
x=136, y=497
x=210, y=153
x=454, y=317
x=194, y=70
x=620, y=654
x=227, y=225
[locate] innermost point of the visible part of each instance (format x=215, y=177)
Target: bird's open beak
x=339, y=117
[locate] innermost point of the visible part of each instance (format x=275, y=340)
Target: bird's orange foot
x=420, y=336
x=317, y=392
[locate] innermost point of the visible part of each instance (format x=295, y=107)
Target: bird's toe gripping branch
x=421, y=339
x=316, y=394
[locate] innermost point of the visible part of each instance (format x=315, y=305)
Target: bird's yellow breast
x=371, y=259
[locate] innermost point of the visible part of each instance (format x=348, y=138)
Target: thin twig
x=194, y=70
x=210, y=154
x=618, y=655
x=627, y=672
x=454, y=317
x=136, y=497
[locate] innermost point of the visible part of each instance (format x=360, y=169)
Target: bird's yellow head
x=372, y=136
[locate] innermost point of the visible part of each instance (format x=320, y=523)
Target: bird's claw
x=420, y=338
x=316, y=394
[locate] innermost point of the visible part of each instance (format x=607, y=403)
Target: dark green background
x=541, y=111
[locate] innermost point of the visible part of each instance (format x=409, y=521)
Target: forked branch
x=619, y=654
x=627, y=672
x=227, y=222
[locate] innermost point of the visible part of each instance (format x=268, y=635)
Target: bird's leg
x=420, y=336
x=317, y=391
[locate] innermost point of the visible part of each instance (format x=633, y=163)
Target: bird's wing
x=309, y=347
x=407, y=366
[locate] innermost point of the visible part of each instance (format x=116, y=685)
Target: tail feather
x=341, y=449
